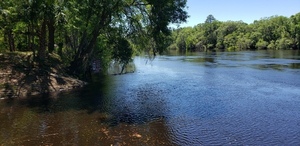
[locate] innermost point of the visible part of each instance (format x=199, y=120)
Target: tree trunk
x=60, y=46
x=11, y=41
x=33, y=46
x=80, y=63
x=30, y=38
x=51, y=31
x=42, y=45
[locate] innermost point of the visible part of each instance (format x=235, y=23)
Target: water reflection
x=84, y=117
x=270, y=66
x=266, y=59
x=295, y=65
x=117, y=68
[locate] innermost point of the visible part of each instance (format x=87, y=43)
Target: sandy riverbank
x=20, y=77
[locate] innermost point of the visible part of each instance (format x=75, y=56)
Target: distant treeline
x=276, y=32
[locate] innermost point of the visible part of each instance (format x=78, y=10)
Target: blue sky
x=235, y=10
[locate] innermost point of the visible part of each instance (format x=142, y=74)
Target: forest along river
x=238, y=98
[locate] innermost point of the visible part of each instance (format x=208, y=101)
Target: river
x=219, y=98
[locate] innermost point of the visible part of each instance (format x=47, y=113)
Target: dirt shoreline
x=19, y=78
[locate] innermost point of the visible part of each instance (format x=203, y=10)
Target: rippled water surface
x=223, y=98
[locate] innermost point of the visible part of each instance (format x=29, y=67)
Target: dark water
x=223, y=98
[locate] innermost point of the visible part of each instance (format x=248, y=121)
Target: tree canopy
x=275, y=32
x=83, y=30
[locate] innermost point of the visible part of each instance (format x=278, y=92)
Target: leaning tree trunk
x=80, y=64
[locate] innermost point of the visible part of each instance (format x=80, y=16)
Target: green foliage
x=272, y=45
x=284, y=43
x=103, y=51
x=261, y=44
x=276, y=32
x=81, y=31
x=210, y=19
x=243, y=43
x=122, y=52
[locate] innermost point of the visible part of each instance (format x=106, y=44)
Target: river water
x=223, y=98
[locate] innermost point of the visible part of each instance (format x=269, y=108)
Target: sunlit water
x=223, y=98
